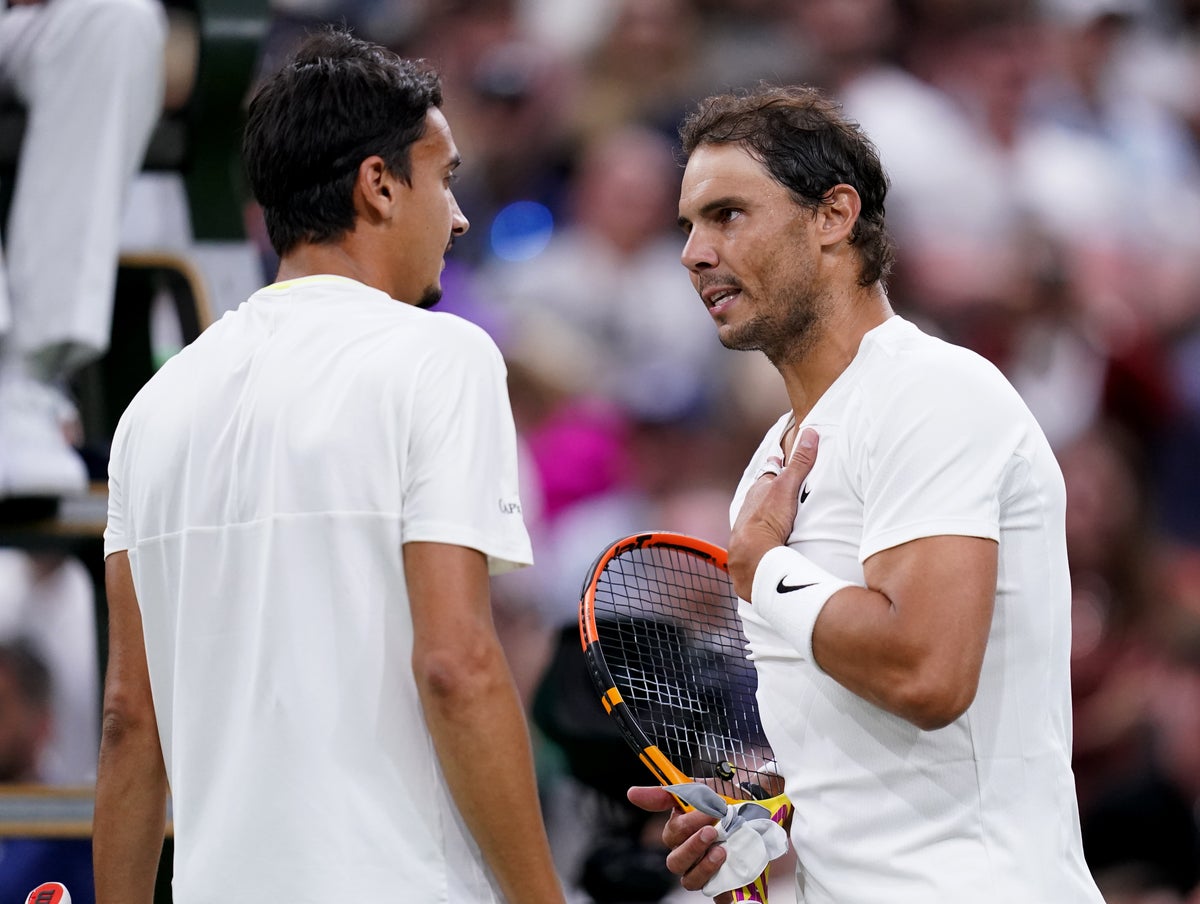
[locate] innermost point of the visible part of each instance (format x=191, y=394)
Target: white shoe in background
x=35, y=458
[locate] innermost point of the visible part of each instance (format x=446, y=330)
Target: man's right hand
x=768, y=513
x=690, y=835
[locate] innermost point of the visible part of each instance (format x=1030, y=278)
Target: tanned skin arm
x=475, y=718
x=131, y=781
x=912, y=641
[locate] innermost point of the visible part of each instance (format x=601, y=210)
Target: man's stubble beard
x=786, y=333
x=431, y=296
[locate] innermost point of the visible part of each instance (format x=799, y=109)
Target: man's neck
x=840, y=335
x=335, y=259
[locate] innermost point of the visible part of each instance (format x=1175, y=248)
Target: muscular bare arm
x=912, y=641
x=131, y=781
x=475, y=717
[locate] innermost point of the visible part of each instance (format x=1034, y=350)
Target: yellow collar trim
x=305, y=280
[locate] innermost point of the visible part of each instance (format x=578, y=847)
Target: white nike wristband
x=789, y=592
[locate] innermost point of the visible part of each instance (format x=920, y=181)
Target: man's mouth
x=717, y=298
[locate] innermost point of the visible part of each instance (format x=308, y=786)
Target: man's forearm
x=130, y=820
x=482, y=741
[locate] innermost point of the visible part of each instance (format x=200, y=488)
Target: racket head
x=665, y=650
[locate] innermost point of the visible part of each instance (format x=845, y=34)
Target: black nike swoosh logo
x=804, y=494
x=781, y=587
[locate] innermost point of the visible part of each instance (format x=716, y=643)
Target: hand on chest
x=829, y=512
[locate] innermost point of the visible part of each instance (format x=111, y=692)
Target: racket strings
x=667, y=622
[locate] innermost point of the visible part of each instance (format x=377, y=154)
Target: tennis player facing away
x=305, y=505
x=904, y=579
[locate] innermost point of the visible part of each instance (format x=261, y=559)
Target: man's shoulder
x=372, y=328
x=916, y=368
x=911, y=353
x=454, y=328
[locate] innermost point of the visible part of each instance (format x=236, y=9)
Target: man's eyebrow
x=712, y=207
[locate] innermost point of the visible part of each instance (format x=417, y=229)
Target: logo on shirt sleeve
x=510, y=506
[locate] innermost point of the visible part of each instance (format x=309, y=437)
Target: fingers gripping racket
x=664, y=646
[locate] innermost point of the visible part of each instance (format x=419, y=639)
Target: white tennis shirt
x=921, y=438
x=263, y=483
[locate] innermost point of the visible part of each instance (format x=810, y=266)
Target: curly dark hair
x=807, y=146
x=337, y=101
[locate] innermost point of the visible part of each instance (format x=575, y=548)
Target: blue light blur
x=521, y=230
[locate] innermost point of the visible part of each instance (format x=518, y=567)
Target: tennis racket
x=49, y=893
x=660, y=631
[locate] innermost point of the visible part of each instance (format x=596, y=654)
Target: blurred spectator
x=574, y=28
x=608, y=292
x=90, y=73
x=840, y=42
x=1137, y=228
x=1176, y=709
x=1110, y=546
x=516, y=160
x=1178, y=489
x=25, y=703
x=47, y=602
x=954, y=206
x=1133, y=661
x=1127, y=205
x=645, y=69
x=743, y=42
x=615, y=374
x=26, y=726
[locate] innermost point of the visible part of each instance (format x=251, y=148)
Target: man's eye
x=728, y=213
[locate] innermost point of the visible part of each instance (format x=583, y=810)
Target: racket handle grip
x=756, y=891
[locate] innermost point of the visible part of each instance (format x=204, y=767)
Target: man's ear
x=837, y=215
x=376, y=190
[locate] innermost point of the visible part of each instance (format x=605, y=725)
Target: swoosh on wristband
x=781, y=587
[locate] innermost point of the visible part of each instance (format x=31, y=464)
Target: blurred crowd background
x=1045, y=201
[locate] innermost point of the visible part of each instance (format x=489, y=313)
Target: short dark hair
x=337, y=101
x=808, y=147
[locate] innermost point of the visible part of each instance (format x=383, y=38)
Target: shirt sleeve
x=942, y=445
x=460, y=480
x=115, y=529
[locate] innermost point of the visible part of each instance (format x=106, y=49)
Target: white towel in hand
x=750, y=837
x=750, y=844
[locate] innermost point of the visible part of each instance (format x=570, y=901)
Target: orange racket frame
x=659, y=765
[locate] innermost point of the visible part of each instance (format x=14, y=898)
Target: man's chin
x=737, y=338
